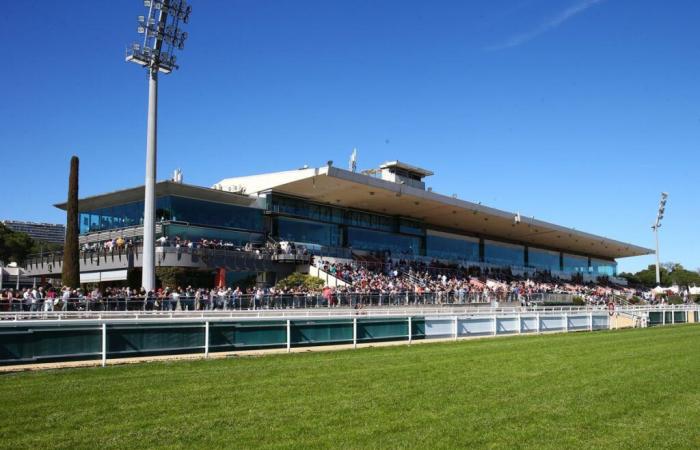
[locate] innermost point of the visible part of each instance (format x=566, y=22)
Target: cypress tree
x=71, y=258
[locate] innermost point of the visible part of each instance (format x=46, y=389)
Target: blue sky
x=578, y=112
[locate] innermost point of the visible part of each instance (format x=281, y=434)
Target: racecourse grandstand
x=264, y=227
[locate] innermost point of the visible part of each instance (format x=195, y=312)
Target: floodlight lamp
x=147, y=3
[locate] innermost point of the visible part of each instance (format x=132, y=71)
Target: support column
x=410, y=330
x=149, y=202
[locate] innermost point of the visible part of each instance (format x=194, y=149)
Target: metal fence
x=277, y=301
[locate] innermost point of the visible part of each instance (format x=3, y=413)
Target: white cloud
x=552, y=23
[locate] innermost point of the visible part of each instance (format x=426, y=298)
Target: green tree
x=14, y=246
x=300, y=280
x=71, y=257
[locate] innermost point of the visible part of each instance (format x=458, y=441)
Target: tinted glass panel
x=504, y=254
x=394, y=244
x=308, y=232
x=603, y=267
x=215, y=214
x=575, y=263
x=447, y=248
x=543, y=259
x=197, y=233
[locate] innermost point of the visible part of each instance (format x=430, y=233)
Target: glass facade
x=504, y=254
x=332, y=227
x=458, y=248
x=332, y=214
x=393, y=244
x=190, y=233
x=308, y=232
x=543, y=259
x=215, y=214
x=603, y=267
x=575, y=263
x=199, y=212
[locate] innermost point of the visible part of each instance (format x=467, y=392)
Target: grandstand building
x=386, y=212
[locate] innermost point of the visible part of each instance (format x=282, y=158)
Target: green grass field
x=626, y=389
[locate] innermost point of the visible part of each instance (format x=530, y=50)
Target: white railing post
x=663, y=317
x=289, y=336
x=520, y=324
x=104, y=344
x=354, y=332
x=566, y=322
x=590, y=321
x=495, y=324
x=673, y=315
x=206, y=339
x=539, y=325
x=454, y=328
x=410, y=330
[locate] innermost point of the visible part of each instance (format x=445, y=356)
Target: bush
x=300, y=280
x=635, y=300
x=579, y=301
x=674, y=300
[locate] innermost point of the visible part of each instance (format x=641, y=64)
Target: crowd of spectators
x=467, y=285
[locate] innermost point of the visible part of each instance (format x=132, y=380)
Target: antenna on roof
x=353, y=160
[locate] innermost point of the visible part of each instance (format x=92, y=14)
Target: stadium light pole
x=161, y=37
x=655, y=227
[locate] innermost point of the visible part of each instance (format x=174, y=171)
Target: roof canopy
x=340, y=187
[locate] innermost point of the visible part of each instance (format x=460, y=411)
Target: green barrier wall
x=38, y=343
x=22, y=344
x=137, y=340
x=62, y=341
x=229, y=336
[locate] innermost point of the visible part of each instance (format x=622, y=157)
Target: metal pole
x=354, y=332
x=104, y=344
x=149, y=204
x=658, y=273
x=289, y=335
x=206, y=339
x=410, y=330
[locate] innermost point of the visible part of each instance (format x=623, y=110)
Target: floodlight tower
x=161, y=37
x=655, y=227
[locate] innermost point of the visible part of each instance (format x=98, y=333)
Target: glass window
x=504, y=254
x=543, y=259
x=191, y=233
x=215, y=214
x=453, y=247
x=84, y=222
x=575, y=263
x=308, y=232
x=603, y=267
x=394, y=244
x=411, y=227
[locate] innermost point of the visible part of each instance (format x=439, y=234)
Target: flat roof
x=135, y=194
